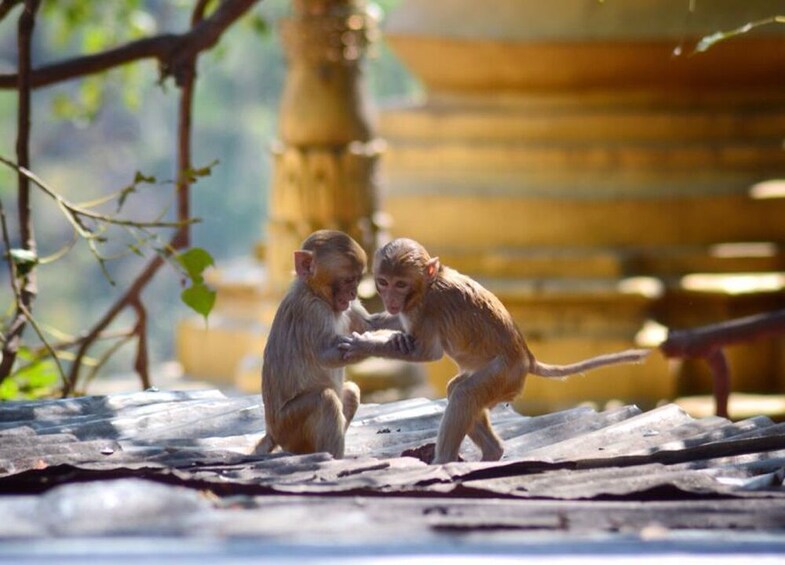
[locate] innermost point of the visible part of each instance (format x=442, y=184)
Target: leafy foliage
x=88, y=27
x=24, y=260
x=199, y=297
x=35, y=378
x=108, y=30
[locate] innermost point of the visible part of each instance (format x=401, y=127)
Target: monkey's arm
x=362, y=321
x=391, y=345
x=332, y=354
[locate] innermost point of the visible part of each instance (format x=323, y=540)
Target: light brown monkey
x=307, y=404
x=447, y=312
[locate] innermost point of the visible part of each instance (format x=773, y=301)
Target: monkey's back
x=473, y=324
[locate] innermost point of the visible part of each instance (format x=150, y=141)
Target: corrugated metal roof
x=118, y=464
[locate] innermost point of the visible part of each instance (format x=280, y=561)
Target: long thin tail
x=560, y=371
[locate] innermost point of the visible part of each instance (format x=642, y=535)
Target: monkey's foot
x=425, y=453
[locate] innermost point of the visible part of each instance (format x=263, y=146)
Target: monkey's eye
x=401, y=285
x=381, y=282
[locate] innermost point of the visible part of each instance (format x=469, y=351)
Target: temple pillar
x=573, y=160
x=324, y=161
x=326, y=156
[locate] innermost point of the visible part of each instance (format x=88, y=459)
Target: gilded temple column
x=325, y=158
x=324, y=176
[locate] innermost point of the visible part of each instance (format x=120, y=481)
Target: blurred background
x=587, y=161
x=91, y=136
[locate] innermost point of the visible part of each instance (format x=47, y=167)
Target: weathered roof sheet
x=578, y=453
x=569, y=472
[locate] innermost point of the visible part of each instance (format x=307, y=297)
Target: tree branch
x=179, y=240
x=6, y=6
x=74, y=213
x=141, y=363
x=133, y=291
x=27, y=288
x=173, y=51
x=183, y=185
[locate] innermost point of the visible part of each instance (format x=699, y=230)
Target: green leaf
x=24, y=260
x=195, y=261
x=37, y=376
x=199, y=298
x=9, y=389
x=124, y=194
x=93, y=40
x=193, y=175
x=260, y=25
x=34, y=379
x=63, y=106
x=139, y=178
x=25, y=354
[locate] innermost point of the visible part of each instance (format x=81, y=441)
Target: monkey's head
x=331, y=263
x=403, y=270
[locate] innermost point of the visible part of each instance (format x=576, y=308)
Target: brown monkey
x=447, y=312
x=308, y=406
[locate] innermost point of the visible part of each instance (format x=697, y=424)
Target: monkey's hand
x=353, y=347
x=376, y=344
x=402, y=342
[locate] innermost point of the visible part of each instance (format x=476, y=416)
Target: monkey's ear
x=432, y=269
x=303, y=263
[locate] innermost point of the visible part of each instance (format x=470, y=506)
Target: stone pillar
x=325, y=158
x=325, y=162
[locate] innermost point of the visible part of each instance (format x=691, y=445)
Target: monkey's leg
x=312, y=422
x=468, y=395
x=454, y=425
x=265, y=445
x=329, y=425
x=458, y=419
x=485, y=438
x=350, y=398
x=455, y=381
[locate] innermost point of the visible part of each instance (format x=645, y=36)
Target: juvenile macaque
x=307, y=404
x=447, y=312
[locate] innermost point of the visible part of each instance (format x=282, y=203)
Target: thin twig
x=27, y=289
x=709, y=41
x=72, y=211
x=174, y=52
x=105, y=358
x=7, y=253
x=6, y=6
x=136, y=287
x=179, y=240
x=27, y=316
x=182, y=237
x=62, y=346
x=142, y=359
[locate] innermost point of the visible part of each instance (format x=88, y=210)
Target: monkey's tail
x=265, y=445
x=560, y=371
